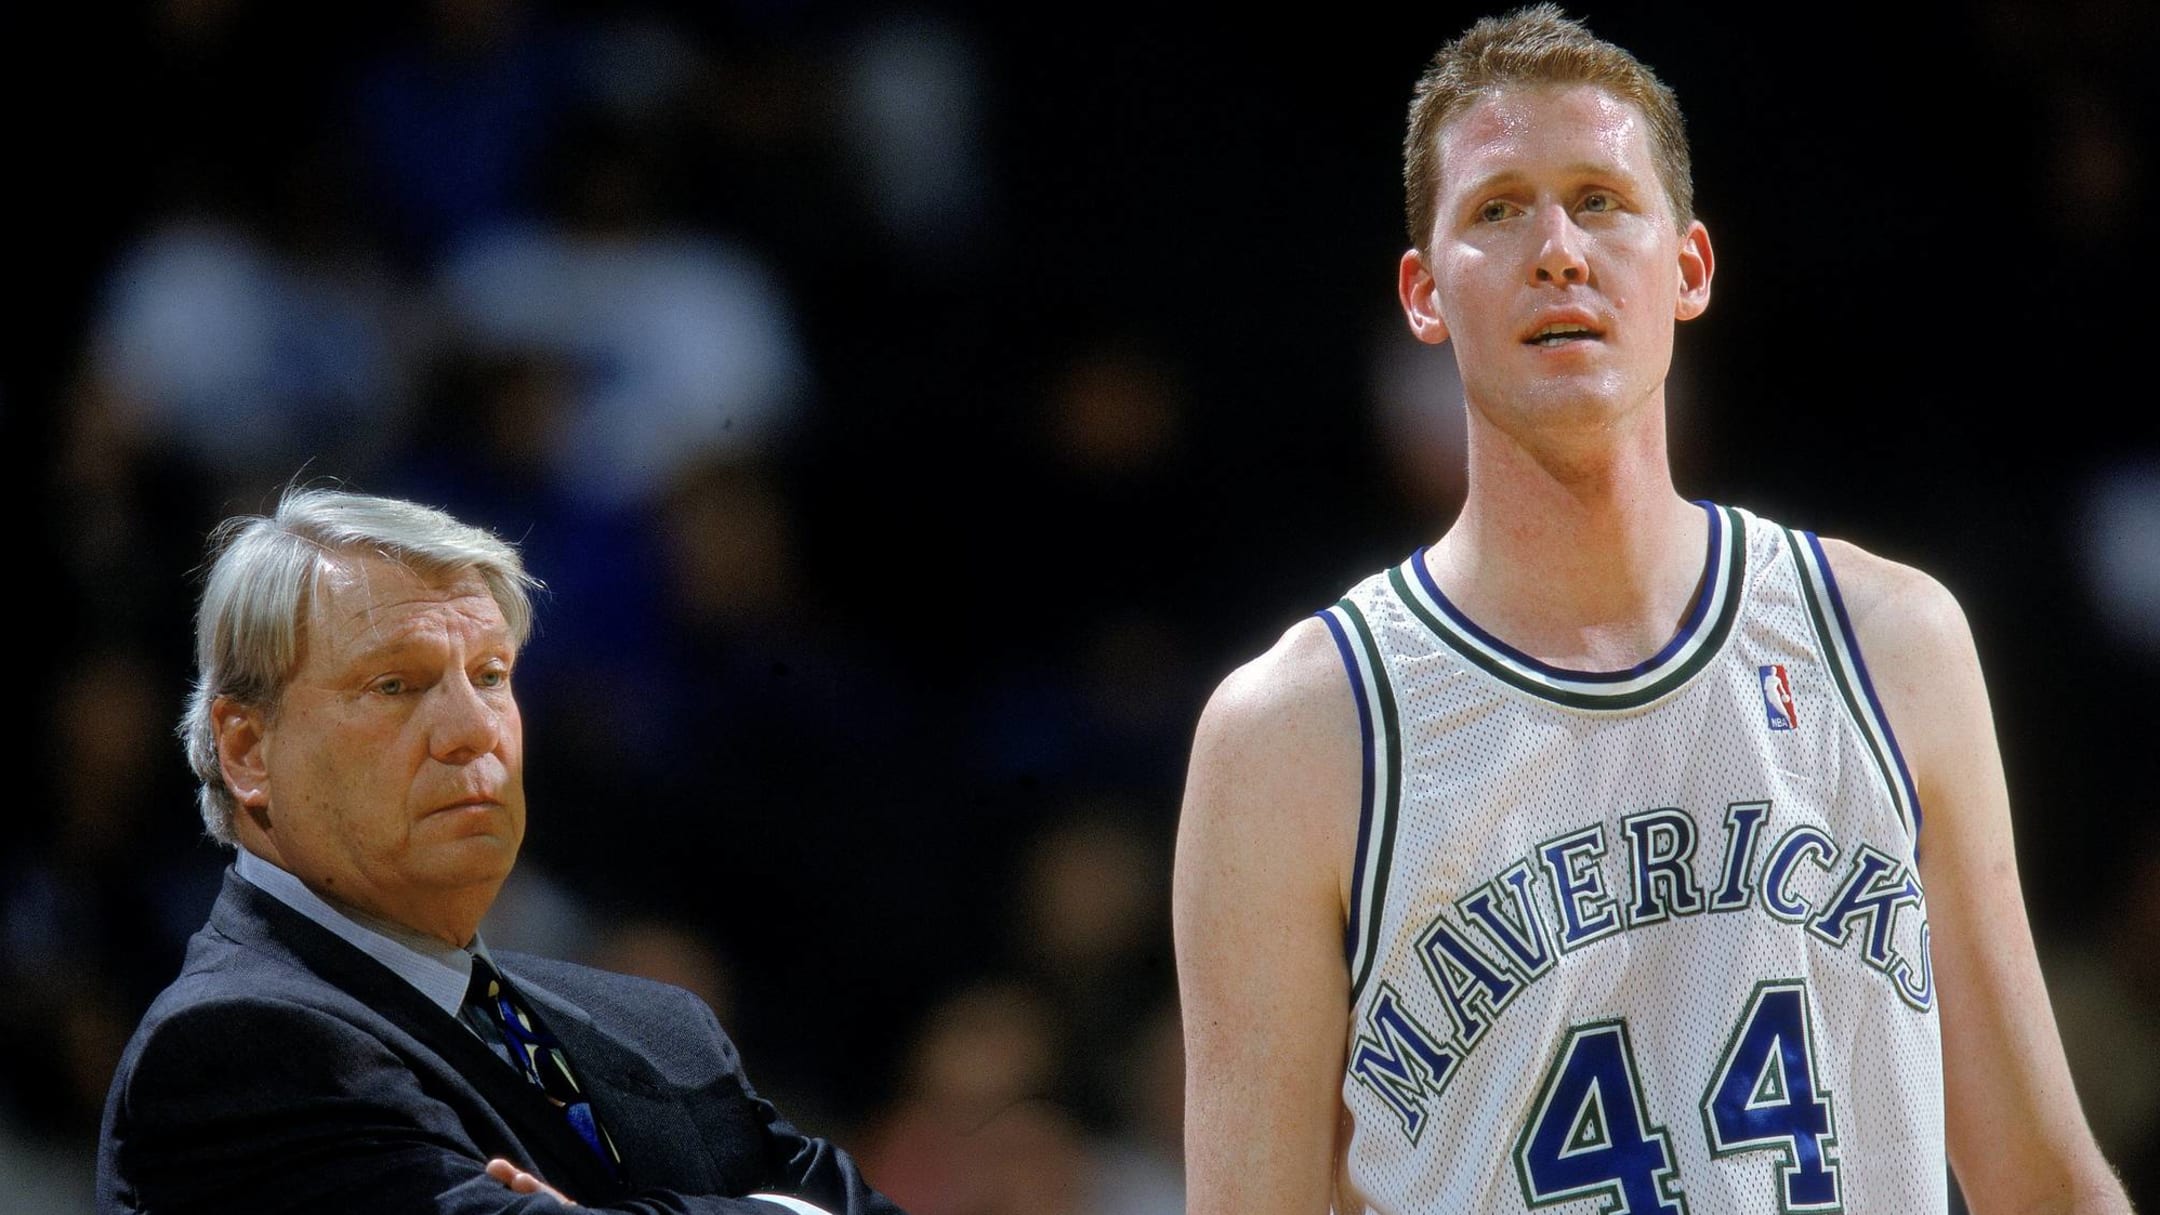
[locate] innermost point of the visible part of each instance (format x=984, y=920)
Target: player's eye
x=1493, y=212
x=391, y=686
x=492, y=677
x=1599, y=202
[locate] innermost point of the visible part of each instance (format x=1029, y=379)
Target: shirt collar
x=438, y=971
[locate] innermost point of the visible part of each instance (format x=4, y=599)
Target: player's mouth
x=1562, y=333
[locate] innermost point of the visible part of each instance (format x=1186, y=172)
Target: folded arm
x=804, y=1169
x=256, y=1105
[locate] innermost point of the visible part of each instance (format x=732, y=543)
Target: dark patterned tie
x=493, y=1008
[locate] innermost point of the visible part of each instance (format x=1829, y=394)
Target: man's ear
x=1421, y=307
x=241, y=733
x=1697, y=265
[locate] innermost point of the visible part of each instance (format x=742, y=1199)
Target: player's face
x=393, y=768
x=1555, y=264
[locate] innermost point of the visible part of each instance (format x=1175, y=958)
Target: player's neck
x=1585, y=557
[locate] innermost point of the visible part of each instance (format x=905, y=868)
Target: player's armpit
x=2016, y=1136
x=1264, y=843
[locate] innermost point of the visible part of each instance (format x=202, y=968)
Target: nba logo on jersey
x=1777, y=699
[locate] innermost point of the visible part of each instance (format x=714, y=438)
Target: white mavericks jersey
x=1642, y=941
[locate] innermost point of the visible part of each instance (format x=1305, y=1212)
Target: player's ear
x=1697, y=264
x=240, y=740
x=1421, y=307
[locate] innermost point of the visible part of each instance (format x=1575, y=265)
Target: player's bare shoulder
x=1277, y=749
x=1292, y=695
x=1919, y=653
x=1895, y=605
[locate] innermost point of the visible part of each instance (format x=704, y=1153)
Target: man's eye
x=1493, y=212
x=1598, y=202
x=390, y=687
x=492, y=677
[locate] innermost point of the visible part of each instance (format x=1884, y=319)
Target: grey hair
x=264, y=570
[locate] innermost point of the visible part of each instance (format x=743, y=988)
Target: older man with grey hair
x=339, y=1037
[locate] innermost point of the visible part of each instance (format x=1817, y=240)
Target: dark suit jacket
x=286, y=1070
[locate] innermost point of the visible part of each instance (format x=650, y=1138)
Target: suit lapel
x=248, y=915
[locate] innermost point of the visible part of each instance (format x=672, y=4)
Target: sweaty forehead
x=1514, y=126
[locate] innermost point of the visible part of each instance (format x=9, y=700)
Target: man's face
x=392, y=770
x=1555, y=265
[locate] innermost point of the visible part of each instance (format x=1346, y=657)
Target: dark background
x=867, y=716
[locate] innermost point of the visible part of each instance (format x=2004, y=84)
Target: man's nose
x=465, y=724
x=1559, y=256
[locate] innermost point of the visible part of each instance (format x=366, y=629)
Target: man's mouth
x=1560, y=333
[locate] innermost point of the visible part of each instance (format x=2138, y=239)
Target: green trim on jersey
x=1825, y=616
x=1384, y=800
x=1725, y=591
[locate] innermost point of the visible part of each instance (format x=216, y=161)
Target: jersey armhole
x=1841, y=647
x=1378, y=786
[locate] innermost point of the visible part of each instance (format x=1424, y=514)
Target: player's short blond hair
x=1538, y=45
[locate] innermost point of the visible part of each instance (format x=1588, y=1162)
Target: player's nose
x=1559, y=254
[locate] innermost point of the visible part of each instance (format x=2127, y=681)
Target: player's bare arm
x=2016, y=1136
x=1265, y=841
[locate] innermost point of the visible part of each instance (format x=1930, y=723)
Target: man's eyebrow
x=1607, y=169
x=1511, y=176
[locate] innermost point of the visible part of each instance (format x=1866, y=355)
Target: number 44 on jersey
x=1590, y=1132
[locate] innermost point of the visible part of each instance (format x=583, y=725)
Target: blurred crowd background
x=914, y=411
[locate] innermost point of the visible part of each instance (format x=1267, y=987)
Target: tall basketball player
x=1616, y=852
